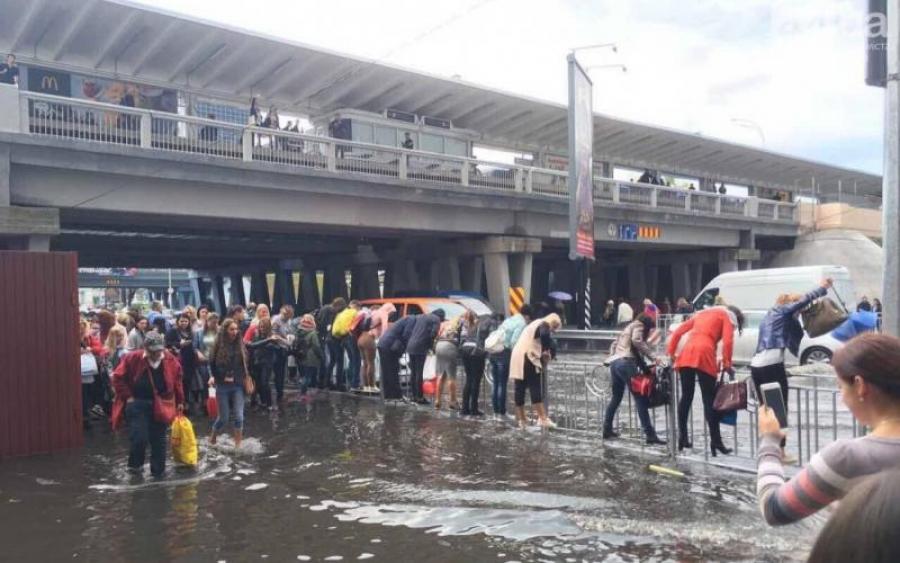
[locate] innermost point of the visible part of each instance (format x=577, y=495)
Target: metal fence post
x=332, y=157
x=672, y=411
x=464, y=174
x=687, y=201
x=247, y=145
x=402, y=171
x=146, y=131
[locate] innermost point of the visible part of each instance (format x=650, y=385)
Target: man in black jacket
x=335, y=352
x=421, y=340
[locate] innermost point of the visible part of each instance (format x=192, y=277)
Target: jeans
x=335, y=371
x=143, y=430
x=308, y=377
x=349, y=345
x=474, y=366
x=500, y=372
x=280, y=367
x=417, y=367
x=708, y=391
x=225, y=394
x=324, y=376
x=262, y=376
x=622, y=370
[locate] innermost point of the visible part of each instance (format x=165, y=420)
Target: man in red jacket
x=140, y=376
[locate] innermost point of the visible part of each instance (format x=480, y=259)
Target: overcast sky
x=794, y=68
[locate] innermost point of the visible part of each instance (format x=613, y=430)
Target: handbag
x=89, y=367
x=821, y=317
x=164, y=410
x=495, y=343
x=642, y=384
x=731, y=396
x=661, y=393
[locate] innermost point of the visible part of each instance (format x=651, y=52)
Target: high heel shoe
x=719, y=448
x=684, y=444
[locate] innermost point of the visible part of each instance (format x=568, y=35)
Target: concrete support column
x=197, y=289
x=728, y=261
x=218, y=295
x=309, y=290
x=411, y=276
x=284, y=289
x=433, y=277
x=496, y=266
x=637, y=287
x=335, y=284
x=681, y=280
x=652, y=282
x=521, y=269
x=748, y=243
x=4, y=176
x=696, y=276
x=448, y=275
x=236, y=291
x=471, y=274
x=365, y=282
x=259, y=288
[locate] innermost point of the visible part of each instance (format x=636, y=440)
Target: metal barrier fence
x=83, y=120
x=578, y=394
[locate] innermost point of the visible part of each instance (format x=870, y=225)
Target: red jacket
x=133, y=365
x=707, y=328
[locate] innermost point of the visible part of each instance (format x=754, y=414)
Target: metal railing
x=578, y=394
x=67, y=118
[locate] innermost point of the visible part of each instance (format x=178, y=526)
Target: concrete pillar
x=637, y=286
x=309, y=291
x=284, y=289
x=521, y=269
x=434, y=275
x=218, y=295
x=472, y=272
x=540, y=280
x=748, y=242
x=236, y=291
x=681, y=280
x=4, y=176
x=37, y=243
x=696, y=279
x=335, y=283
x=412, y=278
x=496, y=266
x=197, y=289
x=728, y=261
x=365, y=282
x=448, y=275
x=259, y=288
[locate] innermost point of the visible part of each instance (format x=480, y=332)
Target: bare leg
x=439, y=392
x=212, y=437
x=543, y=419
x=453, y=400
x=238, y=436
x=520, y=416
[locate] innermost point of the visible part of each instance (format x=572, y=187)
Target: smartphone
x=774, y=399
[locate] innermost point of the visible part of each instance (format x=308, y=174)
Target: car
x=418, y=305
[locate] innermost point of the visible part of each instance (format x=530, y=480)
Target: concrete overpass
x=339, y=206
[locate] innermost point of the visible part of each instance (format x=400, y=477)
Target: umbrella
x=856, y=323
x=560, y=295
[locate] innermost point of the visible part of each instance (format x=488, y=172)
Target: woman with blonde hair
x=228, y=365
x=446, y=353
x=528, y=363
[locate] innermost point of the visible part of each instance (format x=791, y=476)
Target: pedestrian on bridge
x=528, y=363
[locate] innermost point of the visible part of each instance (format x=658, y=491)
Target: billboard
x=124, y=93
x=48, y=81
x=581, y=152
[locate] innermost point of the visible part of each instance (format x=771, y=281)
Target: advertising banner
x=581, y=149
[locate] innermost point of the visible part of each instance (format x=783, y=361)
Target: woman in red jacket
x=697, y=361
x=139, y=377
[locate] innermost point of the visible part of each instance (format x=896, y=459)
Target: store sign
x=634, y=231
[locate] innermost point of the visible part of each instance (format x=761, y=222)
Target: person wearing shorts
x=447, y=361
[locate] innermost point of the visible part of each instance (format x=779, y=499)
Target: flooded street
x=346, y=478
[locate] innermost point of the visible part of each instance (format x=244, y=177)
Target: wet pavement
x=345, y=478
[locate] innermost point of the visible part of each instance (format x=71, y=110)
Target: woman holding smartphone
x=867, y=374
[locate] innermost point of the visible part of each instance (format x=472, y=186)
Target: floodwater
x=345, y=478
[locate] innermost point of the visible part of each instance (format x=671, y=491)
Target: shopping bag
x=730, y=396
x=184, y=443
x=89, y=367
x=212, y=406
x=729, y=418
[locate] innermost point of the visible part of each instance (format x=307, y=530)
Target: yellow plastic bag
x=184, y=443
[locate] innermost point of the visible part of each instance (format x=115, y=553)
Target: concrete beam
x=496, y=265
x=25, y=221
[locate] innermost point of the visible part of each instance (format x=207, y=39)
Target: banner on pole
x=581, y=151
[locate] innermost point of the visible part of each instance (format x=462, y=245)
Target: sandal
x=454, y=406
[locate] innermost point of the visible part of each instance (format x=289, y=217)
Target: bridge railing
x=60, y=117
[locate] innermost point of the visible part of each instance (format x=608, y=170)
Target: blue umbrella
x=560, y=295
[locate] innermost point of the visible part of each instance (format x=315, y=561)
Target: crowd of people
x=131, y=360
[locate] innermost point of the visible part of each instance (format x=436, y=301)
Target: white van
x=755, y=291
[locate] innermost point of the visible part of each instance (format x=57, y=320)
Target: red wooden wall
x=40, y=371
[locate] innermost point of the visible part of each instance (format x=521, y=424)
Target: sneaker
x=547, y=423
x=788, y=459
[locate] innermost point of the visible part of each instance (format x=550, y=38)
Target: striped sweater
x=829, y=476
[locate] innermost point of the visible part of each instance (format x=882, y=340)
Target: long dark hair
x=648, y=324
x=739, y=316
x=863, y=529
x=223, y=350
x=873, y=357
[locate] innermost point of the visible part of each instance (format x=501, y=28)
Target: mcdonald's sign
x=48, y=81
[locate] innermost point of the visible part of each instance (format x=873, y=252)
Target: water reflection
x=343, y=477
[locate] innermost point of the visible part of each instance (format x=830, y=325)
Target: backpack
x=300, y=346
x=361, y=323
x=472, y=341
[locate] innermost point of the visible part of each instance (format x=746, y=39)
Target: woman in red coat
x=697, y=361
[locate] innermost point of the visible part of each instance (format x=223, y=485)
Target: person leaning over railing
x=867, y=374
